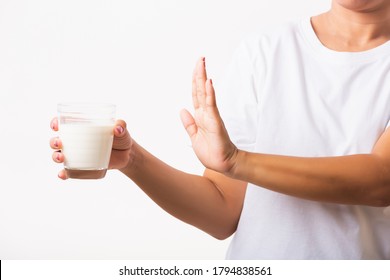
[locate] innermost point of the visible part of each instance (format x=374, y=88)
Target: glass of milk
x=86, y=131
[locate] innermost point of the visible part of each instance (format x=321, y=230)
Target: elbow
x=222, y=236
x=223, y=233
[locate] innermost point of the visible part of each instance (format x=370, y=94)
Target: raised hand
x=120, y=153
x=210, y=140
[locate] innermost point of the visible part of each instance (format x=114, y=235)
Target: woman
x=300, y=166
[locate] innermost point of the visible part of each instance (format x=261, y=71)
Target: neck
x=345, y=29
x=364, y=25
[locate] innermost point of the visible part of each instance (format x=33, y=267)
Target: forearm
x=356, y=179
x=193, y=199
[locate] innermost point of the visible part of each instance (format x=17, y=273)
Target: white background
x=138, y=55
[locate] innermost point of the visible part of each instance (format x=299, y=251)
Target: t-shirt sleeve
x=239, y=96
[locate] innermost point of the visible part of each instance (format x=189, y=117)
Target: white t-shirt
x=288, y=94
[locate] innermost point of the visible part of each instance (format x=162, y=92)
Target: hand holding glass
x=86, y=133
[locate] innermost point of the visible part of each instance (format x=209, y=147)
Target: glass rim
x=86, y=106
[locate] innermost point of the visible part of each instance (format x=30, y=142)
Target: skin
x=354, y=26
x=213, y=202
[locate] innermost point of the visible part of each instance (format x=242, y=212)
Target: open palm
x=210, y=140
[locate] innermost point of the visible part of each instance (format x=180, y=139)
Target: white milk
x=86, y=146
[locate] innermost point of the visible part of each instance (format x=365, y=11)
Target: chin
x=362, y=5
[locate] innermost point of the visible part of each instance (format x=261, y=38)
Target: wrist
x=134, y=157
x=238, y=164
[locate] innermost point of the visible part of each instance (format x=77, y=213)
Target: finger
x=54, y=124
x=122, y=139
x=211, y=104
x=202, y=68
x=63, y=175
x=120, y=128
x=58, y=157
x=211, y=100
x=55, y=143
x=210, y=95
x=188, y=123
x=201, y=78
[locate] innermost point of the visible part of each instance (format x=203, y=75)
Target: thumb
x=122, y=139
x=188, y=123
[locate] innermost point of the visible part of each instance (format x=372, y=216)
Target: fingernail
x=56, y=144
x=119, y=129
x=58, y=156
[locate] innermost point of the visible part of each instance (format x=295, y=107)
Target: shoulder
x=270, y=37
x=257, y=50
